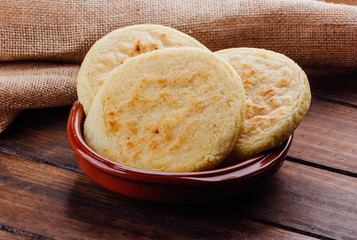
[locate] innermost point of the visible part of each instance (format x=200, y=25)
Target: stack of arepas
x=157, y=99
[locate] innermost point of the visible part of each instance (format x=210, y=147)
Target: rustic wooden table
x=44, y=195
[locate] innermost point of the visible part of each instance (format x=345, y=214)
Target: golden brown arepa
x=277, y=97
x=114, y=48
x=174, y=109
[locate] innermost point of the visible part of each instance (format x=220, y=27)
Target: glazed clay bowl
x=172, y=187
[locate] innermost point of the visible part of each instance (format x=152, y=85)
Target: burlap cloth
x=42, y=42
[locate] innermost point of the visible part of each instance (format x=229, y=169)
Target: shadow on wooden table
x=108, y=212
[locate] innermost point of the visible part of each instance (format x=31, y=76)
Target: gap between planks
x=322, y=167
x=13, y=232
x=331, y=100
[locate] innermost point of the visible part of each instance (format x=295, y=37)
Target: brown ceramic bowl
x=171, y=187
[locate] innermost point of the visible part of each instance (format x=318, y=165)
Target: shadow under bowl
x=172, y=187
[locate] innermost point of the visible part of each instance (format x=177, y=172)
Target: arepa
x=114, y=48
x=174, y=109
x=277, y=97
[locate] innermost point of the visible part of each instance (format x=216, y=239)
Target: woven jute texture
x=42, y=42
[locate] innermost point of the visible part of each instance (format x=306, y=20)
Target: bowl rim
x=244, y=169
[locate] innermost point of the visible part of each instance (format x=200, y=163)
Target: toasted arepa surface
x=114, y=48
x=277, y=97
x=174, y=109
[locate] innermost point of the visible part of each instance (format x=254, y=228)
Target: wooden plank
x=40, y=134
x=8, y=232
x=328, y=136
x=7, y=235
x=306, y=198
x=336, y=84
x=61, y=204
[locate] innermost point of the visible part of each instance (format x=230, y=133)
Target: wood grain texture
x=13, y=236
x=40, y=134
x=335, y=84
x=330, y=130
x=61, y=204
x=305, y=198
x=45, y=195
x=8, y=232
